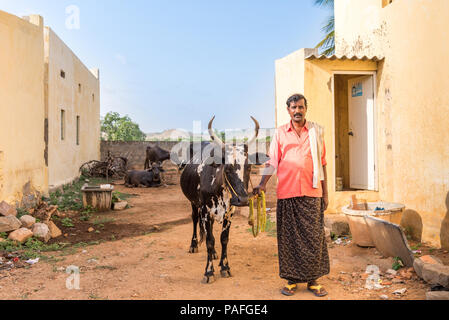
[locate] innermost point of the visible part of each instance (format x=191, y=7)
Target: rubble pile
x=37, y=223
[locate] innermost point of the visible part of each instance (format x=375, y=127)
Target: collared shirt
x=290, y=154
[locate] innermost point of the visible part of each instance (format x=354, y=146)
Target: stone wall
x=135, y=152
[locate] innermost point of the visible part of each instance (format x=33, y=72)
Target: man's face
x=298, y=111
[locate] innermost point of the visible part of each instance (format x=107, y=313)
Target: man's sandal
x=289, y=290
x=317, y=290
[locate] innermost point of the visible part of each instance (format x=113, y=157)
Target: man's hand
x=325, y=202
x=258, y=190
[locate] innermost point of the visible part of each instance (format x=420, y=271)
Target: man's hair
x=295, y=98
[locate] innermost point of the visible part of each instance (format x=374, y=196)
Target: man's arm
x=267, y=174
x=325, y=190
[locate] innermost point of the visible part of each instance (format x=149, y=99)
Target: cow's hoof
x=226, y=274
x=208, y=280
x=193, y=250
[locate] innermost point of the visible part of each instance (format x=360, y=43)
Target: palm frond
x=327, y=45
x=325, y=3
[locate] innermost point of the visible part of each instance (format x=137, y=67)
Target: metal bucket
x=356, y=218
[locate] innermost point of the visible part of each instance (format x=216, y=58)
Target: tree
x=327, y=45
x=117, y=128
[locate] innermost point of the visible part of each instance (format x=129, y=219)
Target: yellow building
x=38, y=148
x=384, y=101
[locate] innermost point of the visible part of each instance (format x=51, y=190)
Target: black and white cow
x=214, y=184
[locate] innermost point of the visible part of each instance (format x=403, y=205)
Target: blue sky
x=169, y=63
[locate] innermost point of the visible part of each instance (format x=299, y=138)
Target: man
x=298, y=154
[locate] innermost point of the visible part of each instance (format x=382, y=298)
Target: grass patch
x=101, y=222
x=119, y=196
x=270, y=230
x=71, y=198
x=105, y=268
x=31, y=249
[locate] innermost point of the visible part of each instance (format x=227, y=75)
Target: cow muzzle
x=239, y=201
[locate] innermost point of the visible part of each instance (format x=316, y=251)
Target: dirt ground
x=143, y=254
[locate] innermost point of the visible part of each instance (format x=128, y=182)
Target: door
x=361, y=133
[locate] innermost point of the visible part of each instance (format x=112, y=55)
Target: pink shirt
x=292, y=157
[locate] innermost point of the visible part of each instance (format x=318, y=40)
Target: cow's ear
x=258, y=158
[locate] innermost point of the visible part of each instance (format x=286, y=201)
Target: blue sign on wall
x=357, y=90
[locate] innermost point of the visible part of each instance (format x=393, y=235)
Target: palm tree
x=327, y=45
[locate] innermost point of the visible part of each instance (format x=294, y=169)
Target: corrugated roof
x=343, y=57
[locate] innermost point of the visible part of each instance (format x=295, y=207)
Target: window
x=77, y=130
x=62, y=74
x=62, y=124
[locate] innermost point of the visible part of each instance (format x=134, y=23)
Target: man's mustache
x=298, y=114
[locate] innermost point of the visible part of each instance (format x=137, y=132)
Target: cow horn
x=213, y=135
x=256, y=134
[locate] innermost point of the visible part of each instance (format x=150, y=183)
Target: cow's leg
x=206, y=220
x=224, y=264
x=214, y=254
x=195, y=217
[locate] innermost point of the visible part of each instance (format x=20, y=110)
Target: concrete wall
x=79, y=96
x=289, y=80
x=413, y=102
x=23, y=174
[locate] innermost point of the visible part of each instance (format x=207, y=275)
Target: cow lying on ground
x=213, y=185
x=147, y=178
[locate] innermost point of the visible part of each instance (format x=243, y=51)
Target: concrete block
x=431, y=270
x=437, y=295
x=390, y=240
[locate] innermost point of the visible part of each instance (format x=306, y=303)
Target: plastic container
x=356, y=218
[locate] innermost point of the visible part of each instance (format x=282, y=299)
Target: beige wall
x=289, y=80
x=22, y=165
x=413, y=103
x=65, y=156
x=359, y=29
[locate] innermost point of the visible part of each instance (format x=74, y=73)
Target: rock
x=9, y=223
x=431, y=270
x=27, y=221
x=400, y=291
x=119, y=206
x=437, y=295
x=384, y=297
x=55, y=232
x=7, y=210
x=21, y=235
x=392, y=272
x=90, y=230
x=337, y=223
x=42, y=232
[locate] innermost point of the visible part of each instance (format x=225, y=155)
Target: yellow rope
x=259, y=223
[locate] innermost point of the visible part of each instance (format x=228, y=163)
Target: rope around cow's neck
x=261, y=208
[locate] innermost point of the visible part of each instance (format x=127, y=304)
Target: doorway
x=355, y=140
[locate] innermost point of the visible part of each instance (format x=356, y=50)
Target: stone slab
x=437, y=295
x=390, y=240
